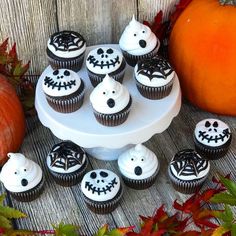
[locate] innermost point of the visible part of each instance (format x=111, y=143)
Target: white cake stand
x=146, y=118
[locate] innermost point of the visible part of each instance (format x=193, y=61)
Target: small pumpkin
x=202, y=49
x=12, y=120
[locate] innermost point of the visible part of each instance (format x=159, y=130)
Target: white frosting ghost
x=138, y=163
x=104, y=60
x=20, y=174
x=212, y=132
x=138, y=39
x=109, y=96
x=100, y=185
x=61, y=82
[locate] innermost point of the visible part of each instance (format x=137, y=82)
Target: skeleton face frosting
x=20, y=174
x=100, y=185
x=212, y=132
x=61, y=82
x=104, y=60
x=138, y=162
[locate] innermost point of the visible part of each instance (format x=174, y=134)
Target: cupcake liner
x=117, y=75
x=212, y=153
x=70, y=179
x=184, y=186
x=106, y=206
x=133, y=59
x=67, y=104
x=154, y=93
x=29, y=195
x=113, y=119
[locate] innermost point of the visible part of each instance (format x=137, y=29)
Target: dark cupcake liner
x=133, y=59
x=29, y=195
x=113, y=119
x=70, y=179
x=212, y=153
x=154, y=93
x=184, y=186
x=67, y=104
x=106, y=206
x=74, y=64
x=117, y=75
x=142, y=183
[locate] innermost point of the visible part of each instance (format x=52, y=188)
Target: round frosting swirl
x=138, y=163
x=61, y=82
x=66, y=44
x=109, y=96
x=138, y=39
x=20, y=174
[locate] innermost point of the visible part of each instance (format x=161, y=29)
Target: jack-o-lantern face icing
x=100, y=185
x=212, y=132
x=104, y=60
x=138, y=162
x=61, y=82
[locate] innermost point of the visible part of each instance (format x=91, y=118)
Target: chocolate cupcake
x=102, y=190
x=154, y=77
x=64, y=90
x=138, y=42
x=212, y=138
x=139, y=167
x=67, y=163
x=188, y=171
x=105, y=60
x=66, y=49
x=111, y=102
x=22, y=177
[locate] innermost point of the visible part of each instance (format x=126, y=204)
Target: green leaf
x=66, y=230
x=2, y=197
x=102, y=231
x=226, y=216
x=10, y=213
x=5, y=223
x=229, y=184
x=225, y=198
x=233, y=229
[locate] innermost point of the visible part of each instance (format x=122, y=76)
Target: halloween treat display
x=111, y=102
x=22, y=177
x=154, y=77
x=67, y=163
x=64, y=90
x=139, y=167
x=102, y=190
x=138, y=42
x=66, y=49
x=105, y=60
x=212, y=138
x=188, y=171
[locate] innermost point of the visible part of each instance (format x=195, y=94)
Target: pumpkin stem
x=228, y=2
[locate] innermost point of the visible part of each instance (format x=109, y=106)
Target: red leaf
x=12, y=56
x=3, y=46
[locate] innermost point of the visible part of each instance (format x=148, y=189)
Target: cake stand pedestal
x=146, y=118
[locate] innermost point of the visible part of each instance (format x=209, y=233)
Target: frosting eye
x=103, y=174
x=113, y=91
x=142, y=159
x=207, y=124
x=100, y=51
x=104, y=92
x=132, y=159
x=215, y=124
x=15, y=172
x=93, y=175
x=143, y=31
x=24, y=170
x=66, y=73
x=109, y=51
x=135, y=35
x=55, y=72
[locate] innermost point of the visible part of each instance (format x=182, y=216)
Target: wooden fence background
x=29, y=23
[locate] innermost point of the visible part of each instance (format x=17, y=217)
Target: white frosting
x=100, y=185
x=20, y=174
x=66, y=44
x=109, y=90
x=61, y=82
x=155, y=72
x=138, y=163
x=212, y=132
x=138, y=39
x=104, y=60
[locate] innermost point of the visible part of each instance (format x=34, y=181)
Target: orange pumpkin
x=202, y=49
x=12, y=120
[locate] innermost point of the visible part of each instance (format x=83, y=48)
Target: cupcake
x=188, y=171
x=154, y=77
x=212, y=138
x=102, y=190
x=22, y=177
x=111, y=102
x=64, y=90
x=139, y=167
x=105, y=60
x=138, y=42
x=67, y=163
x=66, y=49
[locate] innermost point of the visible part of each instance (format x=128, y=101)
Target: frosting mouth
x=109, y=63
x=219, y=137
